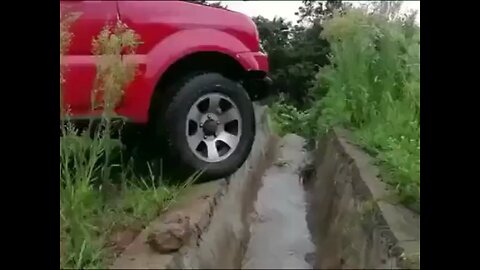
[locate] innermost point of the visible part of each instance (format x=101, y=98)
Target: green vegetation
x=370, y=85
x=101, y=195
x=94, y=209
x=374, y=89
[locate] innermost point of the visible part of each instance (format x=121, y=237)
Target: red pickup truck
x=200, y=68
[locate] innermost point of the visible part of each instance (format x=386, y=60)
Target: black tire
x=186, y=93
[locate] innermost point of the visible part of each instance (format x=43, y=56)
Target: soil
x=121, y=238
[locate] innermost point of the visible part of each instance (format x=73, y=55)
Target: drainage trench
x=280, y=237
x=260, y=221
x=284, y=208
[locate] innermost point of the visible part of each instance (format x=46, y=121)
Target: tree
x=211, y=4
x=296, y=52
x=274, y=33
x=389, y=9
x=318, y=11
x=217, y=4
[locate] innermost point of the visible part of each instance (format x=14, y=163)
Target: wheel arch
x=200, y=61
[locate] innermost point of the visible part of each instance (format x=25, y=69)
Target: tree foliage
x=319, y=11
x=211, y=4
x=297, y=52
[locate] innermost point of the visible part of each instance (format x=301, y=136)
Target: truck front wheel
x=210, y=124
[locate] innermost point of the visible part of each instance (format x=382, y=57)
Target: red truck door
x=80, y=69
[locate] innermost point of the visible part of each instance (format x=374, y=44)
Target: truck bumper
x=253, y=61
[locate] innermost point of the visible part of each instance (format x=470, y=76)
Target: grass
x=93, y=209
x=372, y=87
x=102, y=194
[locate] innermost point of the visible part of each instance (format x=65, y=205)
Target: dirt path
x=279, y=234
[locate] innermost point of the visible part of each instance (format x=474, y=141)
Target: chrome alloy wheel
x=213, y=127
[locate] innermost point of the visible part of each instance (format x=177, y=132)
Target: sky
x=286, y=9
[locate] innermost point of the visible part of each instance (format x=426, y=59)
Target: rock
x=171, y=235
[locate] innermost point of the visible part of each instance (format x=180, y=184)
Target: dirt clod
x=121, y=238
x=171, y=235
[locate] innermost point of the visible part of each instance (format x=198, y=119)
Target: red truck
x=200, y=68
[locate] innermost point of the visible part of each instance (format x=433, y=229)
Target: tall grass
x=114, y=73
x=371, y=87
x=66, y=19
x=93, y=208
x=100, y=193
x=374, y=89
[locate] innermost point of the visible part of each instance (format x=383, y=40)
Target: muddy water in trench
x=280, y=237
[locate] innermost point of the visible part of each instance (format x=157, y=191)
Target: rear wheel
x=210, y=124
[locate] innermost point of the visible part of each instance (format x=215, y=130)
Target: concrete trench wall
x=352, y=225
